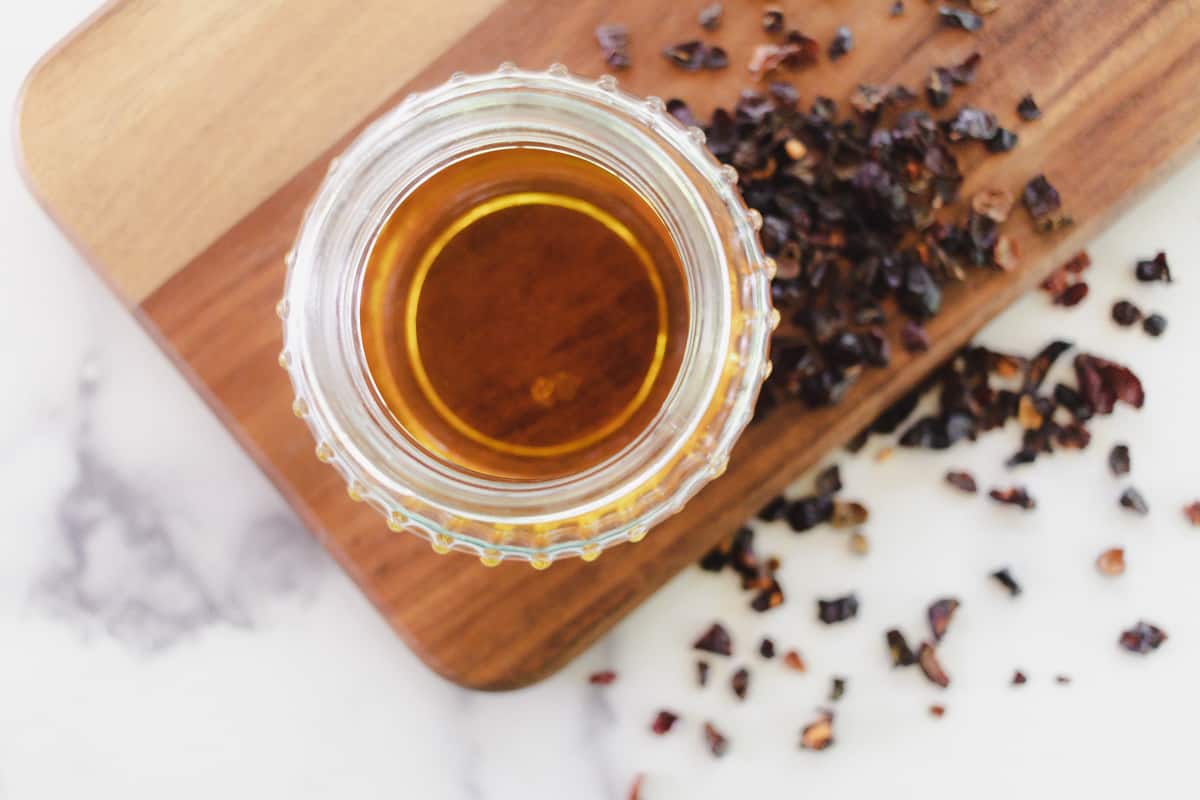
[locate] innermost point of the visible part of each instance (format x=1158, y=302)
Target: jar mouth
x=687, y=441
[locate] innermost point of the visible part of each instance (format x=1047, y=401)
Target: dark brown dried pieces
x=1143, y=638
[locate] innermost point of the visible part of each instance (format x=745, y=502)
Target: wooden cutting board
x=178, y=143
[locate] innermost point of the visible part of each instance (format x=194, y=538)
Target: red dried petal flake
x=663, y=722
x=927, y=658
x=715, y=640
x=602, y=678
x=718, y=745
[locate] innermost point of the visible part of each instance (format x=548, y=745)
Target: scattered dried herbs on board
x=1040, y=197
x=740, y=683
x=928, y=660
x=614, y=43
x=843, y=43
x=715, y=640
x=1028, y=109
x=718, y=745
x=941, y=613
x=960, y=18
x=1119, y=461
x=688, y=55
x=1155, y=325
x=602, y=678
x=1015, y=496
x=1143, y=638
x=902, y=654
x=1112, y=561
x=663, y=722
x=1005, y=578
x=818, y=735
x=839, y=609
x=710, y=16
x=1132, y=499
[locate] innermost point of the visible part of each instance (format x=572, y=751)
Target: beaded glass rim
x=701, y=453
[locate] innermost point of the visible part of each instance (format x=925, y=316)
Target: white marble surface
x=167, y=629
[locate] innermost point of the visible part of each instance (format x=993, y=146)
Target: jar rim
x=724, y=364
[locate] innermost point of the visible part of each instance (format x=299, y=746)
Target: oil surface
x=523, y=314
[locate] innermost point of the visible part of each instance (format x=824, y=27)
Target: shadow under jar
x=527, y=315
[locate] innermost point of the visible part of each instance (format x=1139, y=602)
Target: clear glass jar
x=687, y=443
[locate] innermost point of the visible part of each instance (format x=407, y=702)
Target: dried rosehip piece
x=710, y=16
x=1103, y=383
x=766, y=648
x=1125, y=313
x=818, y=735
x=1073, y=295
x=718, y=745
x=663, y=722
x=1018, y=678
x=1154, y=269
x=740, y=683
x=902, y=654
x=614, y=43
x=843, y=42
x=1192, y=513
x=715, y=640
x=961, y=19
x=839, y=609
x=1028, y=109
x=1040, y=197
x=941, y=612
x=963, y=481
x=602, y=678
x=793, y=661
x=1016, y=496
x=937, y=711
x=1155, y=325
x=1143, y=638
x=1119, y=461
x=1111, y=561
x=1004, y=578
x=1132, y=499
x=927, y=658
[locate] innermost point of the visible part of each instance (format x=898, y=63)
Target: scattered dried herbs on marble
x=1112, y=561
x=1014, y=496
x=614, y=43
x=902, y=654
x=715, y=640
x=1125, y=313
x=1119, y=461
x=1155, y=325
x=740, y=683
x=931, y=666
x=1153, y=270
x=941, y=613
x=1005, y=578
x=663, y=722
x=838, y=609
x=1028, y=109
x=602, y=678
x=818, y=735
x=1143, y=638
x=1132, y=499
x=718, y=745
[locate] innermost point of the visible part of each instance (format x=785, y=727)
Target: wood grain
x=1117, y=83
x=158, y=125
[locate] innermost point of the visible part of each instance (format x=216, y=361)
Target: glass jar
x=724, y=362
